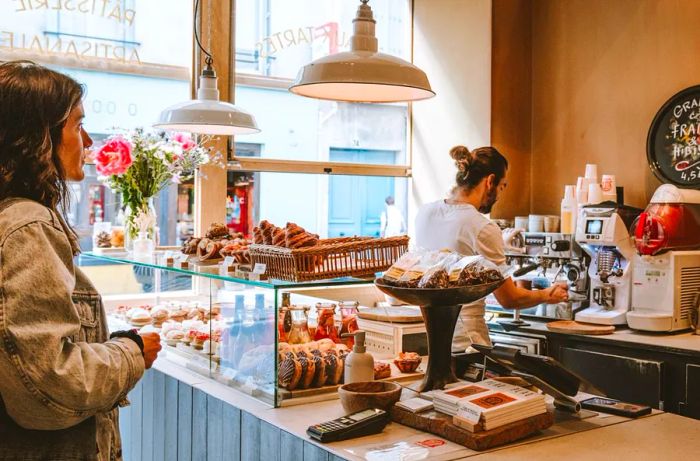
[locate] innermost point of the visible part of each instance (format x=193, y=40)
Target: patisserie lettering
x=115, y=10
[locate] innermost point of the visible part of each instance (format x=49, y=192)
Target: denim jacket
x=61, y=378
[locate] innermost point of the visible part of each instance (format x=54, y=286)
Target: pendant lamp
x=207, y=114
x=362, y=74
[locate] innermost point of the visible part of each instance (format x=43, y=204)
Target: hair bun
x=462, y=157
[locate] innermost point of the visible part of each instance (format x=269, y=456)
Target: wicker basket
x=331, y=258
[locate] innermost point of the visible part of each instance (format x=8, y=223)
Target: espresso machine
x=540, y=259
x=666, y=278
x=603, y=233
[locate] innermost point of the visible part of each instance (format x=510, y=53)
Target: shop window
x=122, y=51
x=274, y=39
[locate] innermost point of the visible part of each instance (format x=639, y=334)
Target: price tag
x=259, y=268
x=182, y=261
x=228, y=265
x=169, y=259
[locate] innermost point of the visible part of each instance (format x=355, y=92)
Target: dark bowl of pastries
x=369, y=394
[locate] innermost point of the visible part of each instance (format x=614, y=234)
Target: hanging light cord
x=209, y=60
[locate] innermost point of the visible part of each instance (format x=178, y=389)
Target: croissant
x=267, y=234
x=302, y=240
x=279, y=237
x=190, y=246
x=202, y=246
x=211, y=251
x=257, y=235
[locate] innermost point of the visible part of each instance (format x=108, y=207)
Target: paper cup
x=551, y=223
x=592, y=173
x=595, y=193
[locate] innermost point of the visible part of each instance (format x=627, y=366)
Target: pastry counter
x=270, y=339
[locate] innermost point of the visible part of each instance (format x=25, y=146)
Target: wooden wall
x=511, y=101
x=600, y=70
x=452, y=44
x=169, y=420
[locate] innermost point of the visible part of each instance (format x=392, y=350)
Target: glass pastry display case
x=257, y=336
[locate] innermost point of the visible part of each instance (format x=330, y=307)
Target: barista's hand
x=509, y=235
x=151, y=347
x=556, y=294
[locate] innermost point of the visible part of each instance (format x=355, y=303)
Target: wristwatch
x=130, y=334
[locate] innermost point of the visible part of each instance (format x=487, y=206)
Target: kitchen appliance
x=603, y=233
x=666, y=280
x=664, y=291
x=545, y=259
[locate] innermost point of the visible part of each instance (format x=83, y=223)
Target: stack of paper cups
x=595, y=193
x=582, y=190
x=592, y=173
x=608, y=187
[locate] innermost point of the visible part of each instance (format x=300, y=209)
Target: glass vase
x=131, y=230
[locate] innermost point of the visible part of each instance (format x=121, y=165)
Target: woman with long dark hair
x=61, y=376
x=458, y=223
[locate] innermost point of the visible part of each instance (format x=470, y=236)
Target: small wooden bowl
x=369, y=394
x=407, y=366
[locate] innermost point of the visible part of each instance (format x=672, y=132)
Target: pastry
x=279, y=237
x=210, y=251
x=159, y=315
x=189, y=247
x=320, y=375
x=407, y=362
x=217, y=231
x=179, y=315
x=173, y=337
x=331, y=369
x=382, y=370
x=289, y=373
x=267, y=234
x=325, y=344
x=302, y=240
x=257, y=236
x=140, y=317
x=194, y=314
x=304, y=362
x=310, y=372
x=198, y=341
x=202, y=246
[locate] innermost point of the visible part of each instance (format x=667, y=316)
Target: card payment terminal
x=365, y=422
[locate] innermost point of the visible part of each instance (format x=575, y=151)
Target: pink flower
x=185, y=140
x=114, y=157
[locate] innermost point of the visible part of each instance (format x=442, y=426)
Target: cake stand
x=440, y=308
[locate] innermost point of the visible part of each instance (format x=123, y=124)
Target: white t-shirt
x=462, y=228
x=391, y=222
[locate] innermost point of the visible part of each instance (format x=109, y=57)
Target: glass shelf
x=212, y=270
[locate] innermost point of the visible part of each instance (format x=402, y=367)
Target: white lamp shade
x=362, y=76
x=207, y=116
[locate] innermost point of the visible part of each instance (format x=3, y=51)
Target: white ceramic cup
x=535, y=223
x=521, y=222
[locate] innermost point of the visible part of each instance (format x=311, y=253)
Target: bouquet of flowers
x=138, y=165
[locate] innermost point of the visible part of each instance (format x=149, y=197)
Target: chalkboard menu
x=673, y=143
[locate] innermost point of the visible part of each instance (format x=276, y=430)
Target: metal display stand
x=440, y=308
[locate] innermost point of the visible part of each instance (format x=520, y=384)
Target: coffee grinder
x=603, y=233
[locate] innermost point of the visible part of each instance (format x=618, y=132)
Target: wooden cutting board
x=441, y=425
x=578, y=328
x=397, y=314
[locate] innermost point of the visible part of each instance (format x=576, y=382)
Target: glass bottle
x=326, y=322
x=348, y=322
x=264, y=322
x=230, y=334
x=284, y=319
x=299, y=332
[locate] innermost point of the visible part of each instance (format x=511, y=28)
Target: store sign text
x=327, y=33
x=79, y=49
x=109, y=9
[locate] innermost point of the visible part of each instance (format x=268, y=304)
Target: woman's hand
x=556, y=294
x=151, y=347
